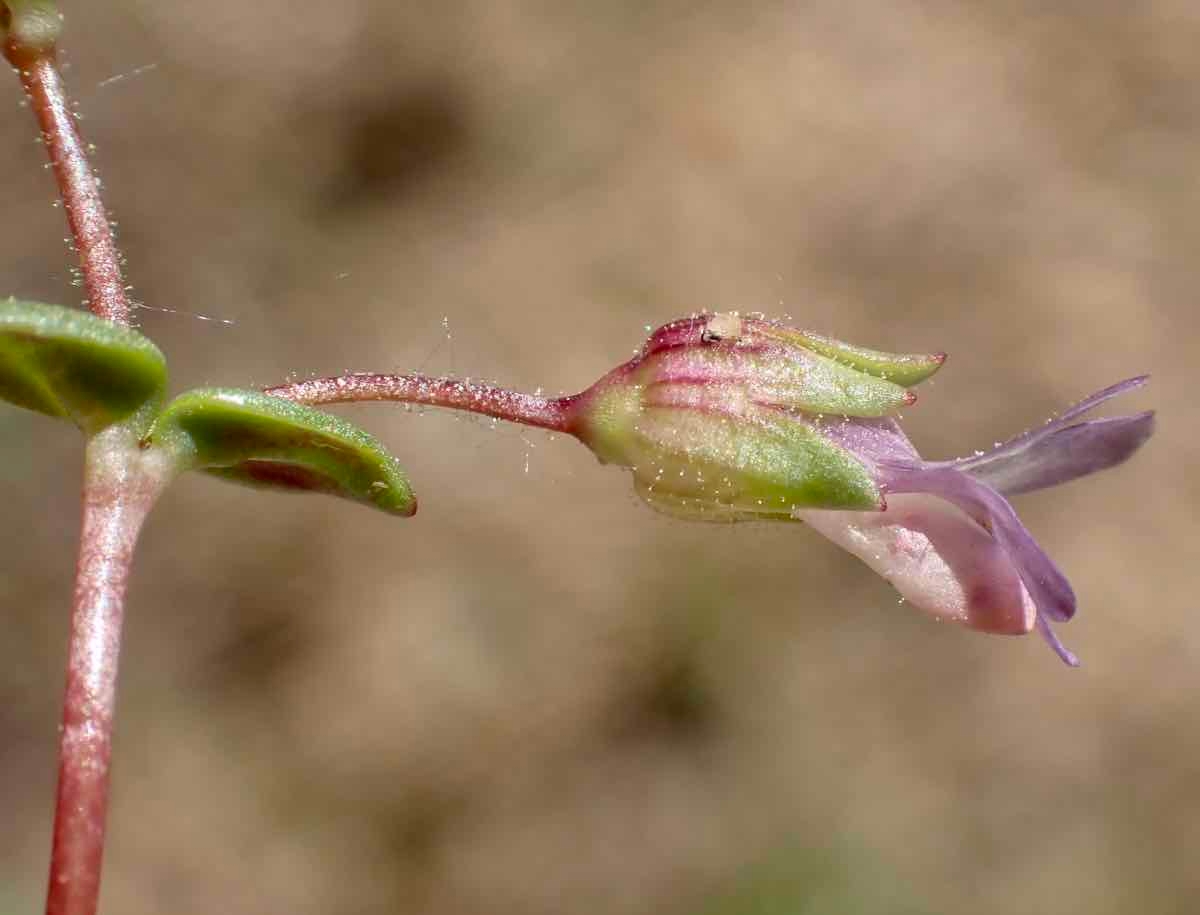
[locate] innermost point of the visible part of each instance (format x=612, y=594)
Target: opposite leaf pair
x=70, y=364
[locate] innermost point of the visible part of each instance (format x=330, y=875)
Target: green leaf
x=71, y=364
x=252, y=438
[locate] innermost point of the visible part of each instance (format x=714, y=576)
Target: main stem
x=554, y=413
x=120, y=486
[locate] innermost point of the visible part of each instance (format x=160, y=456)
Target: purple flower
x=727, y=418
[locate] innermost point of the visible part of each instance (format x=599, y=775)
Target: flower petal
x=1047, y=586
x=873, y=439
x=1057, y=452
x=939, y=559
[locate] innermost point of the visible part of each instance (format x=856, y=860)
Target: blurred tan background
x=536, y=696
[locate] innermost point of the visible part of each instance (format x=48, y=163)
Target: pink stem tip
x=77, y=184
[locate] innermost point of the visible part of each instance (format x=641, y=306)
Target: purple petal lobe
x=1058, y=452
x=1055, y=643
x=1047, y=586
x=1063, y=454
x=1088, y=403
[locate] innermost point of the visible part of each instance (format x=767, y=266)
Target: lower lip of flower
x=937, y=558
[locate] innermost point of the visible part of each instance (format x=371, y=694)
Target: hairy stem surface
x=77, y=184
x=120, y=486
x=552, y=413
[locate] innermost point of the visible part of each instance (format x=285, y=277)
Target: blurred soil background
x=537, y=696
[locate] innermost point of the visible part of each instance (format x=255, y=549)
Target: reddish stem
x=556, y=413
x=122, y=483
x=120, y=486
x=77, y=184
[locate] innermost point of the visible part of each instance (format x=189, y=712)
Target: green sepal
x=252, y=438
x=780, y=374
x=818, y=384
x=905, y=369
x=685, y=508
x=68, y=363
x=762, y=463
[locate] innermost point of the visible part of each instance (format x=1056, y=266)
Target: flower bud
x=720, y=417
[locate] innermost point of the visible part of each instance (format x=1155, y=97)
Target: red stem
x=120, y=487
x=77, y=184
x=556, y=414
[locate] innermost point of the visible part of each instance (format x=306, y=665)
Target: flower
x=722, y=417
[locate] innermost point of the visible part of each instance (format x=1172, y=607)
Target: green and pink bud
x=729, y=418
x=720, y=416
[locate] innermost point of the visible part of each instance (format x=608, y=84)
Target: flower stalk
x=554, y=413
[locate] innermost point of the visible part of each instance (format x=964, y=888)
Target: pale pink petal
x=940, y=560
